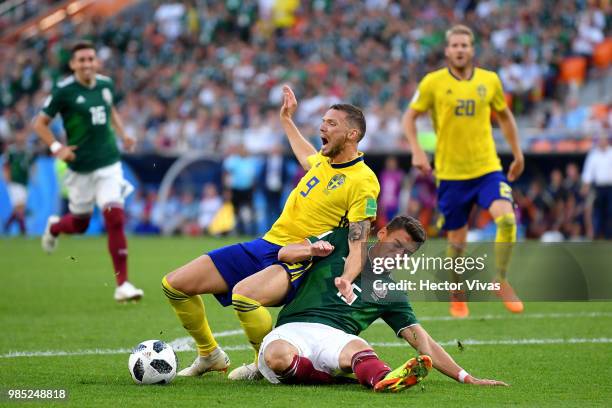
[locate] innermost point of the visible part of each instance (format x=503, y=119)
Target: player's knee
x=279, y=356
x=353, y=347
x=80, y=223
x=506, y=220
x=244, y=289
x=114, y=217
x=174, y=281
x=171, y=292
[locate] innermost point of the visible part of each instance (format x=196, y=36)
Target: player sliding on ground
x=315, y=339
x=460, y=98
x=85, y=101
x=338, y=189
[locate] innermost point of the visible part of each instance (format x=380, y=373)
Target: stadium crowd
x=206, y=75
x=200, y=74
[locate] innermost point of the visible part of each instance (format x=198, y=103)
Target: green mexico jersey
x=318, y=299
x=19, y=162
x=86, y=113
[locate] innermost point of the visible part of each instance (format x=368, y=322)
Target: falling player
x=85, y=101
x=316, y=335
x=460, y=98
x=337, y=189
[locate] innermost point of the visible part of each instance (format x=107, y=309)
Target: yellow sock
x=504, y=241
x=190, y=311
x=254, y=319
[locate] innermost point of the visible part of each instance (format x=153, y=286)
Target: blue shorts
x=239, y=261
x=456, y=197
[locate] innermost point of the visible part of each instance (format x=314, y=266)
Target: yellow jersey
x=461, y=114
x=329, y=195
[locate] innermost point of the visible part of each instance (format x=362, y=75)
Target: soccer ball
x=153, y=362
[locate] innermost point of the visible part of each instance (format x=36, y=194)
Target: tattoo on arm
x=358, y=230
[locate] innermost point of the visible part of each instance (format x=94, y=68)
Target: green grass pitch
x=63, y=304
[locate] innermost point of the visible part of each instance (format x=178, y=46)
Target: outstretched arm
x=300, y=146
x=442, y=361
x=419, y=158
x=510, y=131
x=304, y=250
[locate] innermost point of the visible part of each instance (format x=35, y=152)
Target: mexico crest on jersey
x=336, y=182
x=107, y=96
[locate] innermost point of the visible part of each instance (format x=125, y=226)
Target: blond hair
x=460, y=29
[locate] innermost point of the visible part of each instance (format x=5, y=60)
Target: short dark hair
x=409, y=224
x=82, y=45
x=354, y=115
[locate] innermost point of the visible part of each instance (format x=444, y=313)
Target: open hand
x=421, y=161
x=477, y=381
x=289, y=103
x=516, y=168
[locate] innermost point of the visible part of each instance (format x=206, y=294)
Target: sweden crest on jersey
x=336, y=182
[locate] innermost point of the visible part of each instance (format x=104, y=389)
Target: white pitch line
x=186, y=347
x=186, y=343
x=180, y=344
x=508, y=342
x=510, y=317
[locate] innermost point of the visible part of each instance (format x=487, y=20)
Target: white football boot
x=247, y=372
x=48, y=241
x=127, y=291
x=215, y=361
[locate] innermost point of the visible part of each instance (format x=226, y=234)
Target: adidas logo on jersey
x=80, y=99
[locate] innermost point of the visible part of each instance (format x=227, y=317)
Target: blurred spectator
x=210, y=204
x=169, y=17
x=143, y=212
x=188, y=224
x=190, y=72
x=558, y=195
x=17, y=163
x=534, y=207
x=575, y=115
x=575, y=206
x=240, y=171
x=390, y=185
x=422, y=199
x=167, y=216
x=597, y=175
x=135, y=210
x=274, y=177
x=224, y=221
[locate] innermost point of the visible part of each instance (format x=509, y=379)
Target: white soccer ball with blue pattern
x=153, y=362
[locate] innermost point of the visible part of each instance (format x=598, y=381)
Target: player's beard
x=337, y=148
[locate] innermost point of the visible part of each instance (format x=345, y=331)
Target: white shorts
x=18, y=194
x=103, y=186
x=319, y=343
